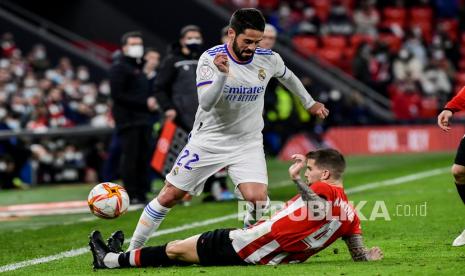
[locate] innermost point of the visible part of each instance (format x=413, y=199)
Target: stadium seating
x=397, y=26
x=305, y=45
x=394, y=15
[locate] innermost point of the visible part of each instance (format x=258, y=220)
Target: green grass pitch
x=413, y=242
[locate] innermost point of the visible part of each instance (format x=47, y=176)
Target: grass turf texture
x=412, y=244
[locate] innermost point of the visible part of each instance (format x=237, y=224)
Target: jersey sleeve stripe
x=214, y=51
x=204, y=83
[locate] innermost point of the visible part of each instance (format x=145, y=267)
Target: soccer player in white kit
x=231, y=81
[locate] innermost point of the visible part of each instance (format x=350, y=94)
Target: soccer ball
x=108, y=200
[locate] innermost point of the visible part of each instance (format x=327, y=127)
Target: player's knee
x=170, y=195
x=458, y=172
x=172, y=250
x=258, y=198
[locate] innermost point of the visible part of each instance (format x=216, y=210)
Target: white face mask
x=19, y=71
x=30, y=82
x=40, y=54
x=83, y=75
x=100, y=108
x=135, y=51
x=88, y=99
x=104, y=89
x=4, y=63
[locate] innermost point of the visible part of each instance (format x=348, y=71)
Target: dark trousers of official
x=136, y=151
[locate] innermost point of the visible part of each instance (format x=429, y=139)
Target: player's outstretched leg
x=154, y=213
x=258, y=201
x=458, y=171
x=181, y=252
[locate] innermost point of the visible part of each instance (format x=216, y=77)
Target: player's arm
x=456, y=104
x=294, y=173
x=359, y=252
x=307, y=193
x=292, y=82
x=211, y=79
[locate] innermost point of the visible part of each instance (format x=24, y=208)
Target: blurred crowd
x=37, y=94
x=408, y=51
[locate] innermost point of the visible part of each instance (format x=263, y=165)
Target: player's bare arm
x=359, y=252
x=444, y=120
x=294, y=172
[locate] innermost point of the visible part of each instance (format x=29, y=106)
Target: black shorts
x=460, y=156
x=215, y=248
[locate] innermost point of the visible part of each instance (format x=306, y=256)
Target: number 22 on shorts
x=193, y=158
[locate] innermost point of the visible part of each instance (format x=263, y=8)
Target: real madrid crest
x=206, y=72
x=261, y=74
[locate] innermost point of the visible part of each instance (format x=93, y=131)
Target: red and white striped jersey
x=291, y=235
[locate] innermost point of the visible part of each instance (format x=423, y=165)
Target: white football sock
x=111, y=260
x=149, y=221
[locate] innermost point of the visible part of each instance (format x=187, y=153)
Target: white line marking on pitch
x=368, y=186
x=83, y=250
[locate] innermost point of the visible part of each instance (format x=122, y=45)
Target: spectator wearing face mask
x=406, y=65
x=339, y=21
x=175, y=85
x=132, y=107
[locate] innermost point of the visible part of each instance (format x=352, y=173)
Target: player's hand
x=299, y=164
x=374, y=254
x=319, y=110
x=152, y=104
x=444, y=120
x=221, y=62
x=170, y=114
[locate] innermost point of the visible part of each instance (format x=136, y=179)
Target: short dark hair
x=150, y=49
x=329, y=159
x=126, y=36
x=189, y=28
x=249, y=18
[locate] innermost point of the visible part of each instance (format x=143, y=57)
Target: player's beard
x=238, y=52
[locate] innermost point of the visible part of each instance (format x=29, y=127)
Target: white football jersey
x=236, y=120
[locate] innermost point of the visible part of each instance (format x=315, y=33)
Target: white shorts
x=194, y=166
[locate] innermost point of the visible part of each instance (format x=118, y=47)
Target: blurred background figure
x=132, y=105
x=269, y=37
